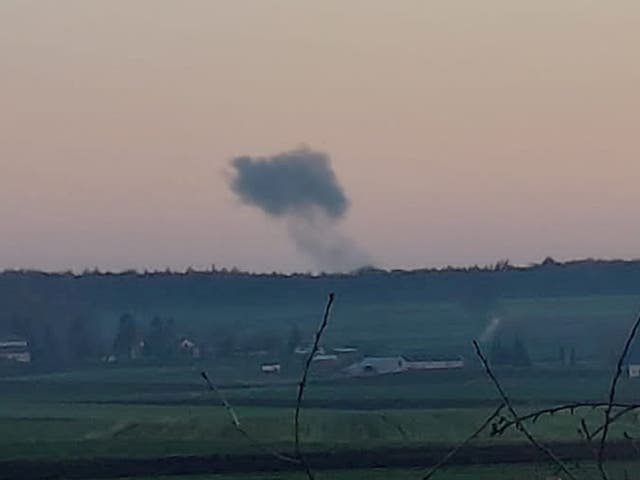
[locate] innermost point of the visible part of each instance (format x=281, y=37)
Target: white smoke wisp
x=490, y=330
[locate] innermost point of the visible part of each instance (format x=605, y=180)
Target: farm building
x=270, y=368
x=633, y=364
x=347, y=355
x=307, y=350
x=15, y=349
x=422, y=363
x=377, y=366
x=189, y=348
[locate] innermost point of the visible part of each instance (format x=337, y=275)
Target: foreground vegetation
x=483, y=472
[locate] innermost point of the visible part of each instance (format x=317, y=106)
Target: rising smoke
x=490, y=330
x=301, y=188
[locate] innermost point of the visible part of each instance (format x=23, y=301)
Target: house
x=15, y=349
x=633, y=363
x=428, y=363
x=270, y=368
x=345, y=350
x=189, y=348
x=307, y=351
x=377, y=366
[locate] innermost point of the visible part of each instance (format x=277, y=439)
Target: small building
x=633, y=363
x=370, y=366
x=15, y=349
x=189, y=348
x=426, y=363
x=345, y=350
x=270, y=368
x=307, y=350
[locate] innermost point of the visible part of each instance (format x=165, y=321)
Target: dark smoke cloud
x=290, y=183
x=300, y=187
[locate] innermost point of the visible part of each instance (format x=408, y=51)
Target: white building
x=435, y=364
x=270, y=368
x=634, y=370
x=377, y=366
x=15, y=350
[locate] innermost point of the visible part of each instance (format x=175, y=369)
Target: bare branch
x=519, y=425
x=459, y=447
x=236, y=423
x=571, y=407
x=615, y=417
x=303, y=383
x=612, y=395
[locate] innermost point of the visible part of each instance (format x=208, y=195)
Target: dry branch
x=514, y=414
x=236, y=423
x=570, y=407
x=612, y=395
x=303, y=383
x=447, y=458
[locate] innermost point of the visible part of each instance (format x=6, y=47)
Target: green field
x=51, y=417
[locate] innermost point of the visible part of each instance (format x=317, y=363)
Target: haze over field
x=463, y=132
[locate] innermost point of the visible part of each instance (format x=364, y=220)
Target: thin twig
x=459, y=447
x=571, y=407
x=303, y=384
x=616, y=417
x=236, y=423
x=519, y=425
x=612, y=395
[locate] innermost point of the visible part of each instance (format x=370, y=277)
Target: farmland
x=125, y=417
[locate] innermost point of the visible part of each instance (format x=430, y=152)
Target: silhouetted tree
x=520, y=354
x=295, y=337
x=125, y=340
x=572, y=357
x=562, y=356
x=499, y=354
x=80, y=342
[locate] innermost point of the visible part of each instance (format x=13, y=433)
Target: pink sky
x=463, y=131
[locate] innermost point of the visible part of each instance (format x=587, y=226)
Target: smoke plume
x=490, y=330
x=301, y=188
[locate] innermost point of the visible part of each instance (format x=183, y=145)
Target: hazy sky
x=462, y=131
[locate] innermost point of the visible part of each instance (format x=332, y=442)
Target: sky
x=463, y=132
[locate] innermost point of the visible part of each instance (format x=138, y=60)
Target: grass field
x=55, y=430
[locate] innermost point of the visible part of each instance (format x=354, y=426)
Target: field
x=145, y=411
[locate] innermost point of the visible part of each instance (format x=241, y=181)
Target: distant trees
x=515, y=355
x=295, y=337
x=567, y=359
x=126, y=337
x=81, y=339
x=161, y=339
x=479, y=299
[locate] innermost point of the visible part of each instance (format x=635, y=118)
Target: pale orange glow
x=463, y=131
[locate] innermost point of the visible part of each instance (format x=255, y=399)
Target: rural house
x=430, y=363
x=377, y=366
x=633, y=364
x=270, y=368
x=15, y=349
